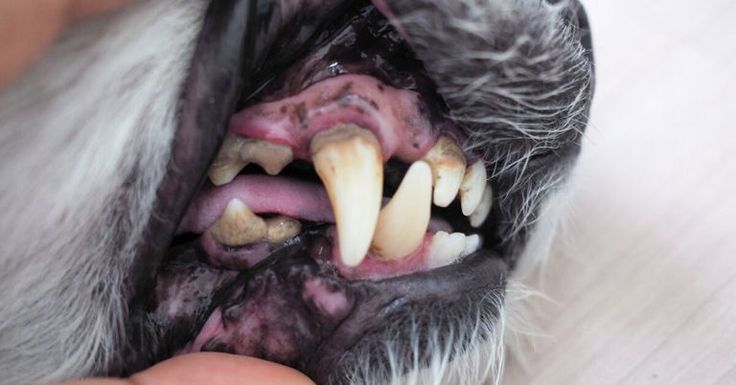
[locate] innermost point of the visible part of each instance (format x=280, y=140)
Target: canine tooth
x=403, y=222
x=472, y=244
x=228, y=162
x=445, y=249
x=282, y=228
x=238, y=225
x=448, y=168
x=481, y=212
x=348, y=160
x=471, y=191
x=271, y=157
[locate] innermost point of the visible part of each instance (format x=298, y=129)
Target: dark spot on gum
x=344, y=91
x=374, y=105
x=301, y=112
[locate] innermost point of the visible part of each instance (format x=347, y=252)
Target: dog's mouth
x=343, y=217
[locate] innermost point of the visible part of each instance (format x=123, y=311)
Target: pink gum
x=393, y=115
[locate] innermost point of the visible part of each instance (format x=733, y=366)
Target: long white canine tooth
x=484, y=208
x=228, y=162
x=471, y=191
x=281, y=228
x=445, y=249
x=271, y=157
x=402, y=223
x=448, y=169
x=238, y=226
x=472, y=244
x=348, y=160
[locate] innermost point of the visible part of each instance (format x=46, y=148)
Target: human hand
x=27, y=27
x=208, y=369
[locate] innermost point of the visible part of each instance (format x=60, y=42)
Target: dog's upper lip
x=208, y=100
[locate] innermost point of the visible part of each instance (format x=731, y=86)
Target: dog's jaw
x=126, y=92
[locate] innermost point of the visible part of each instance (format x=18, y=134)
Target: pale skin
x=27, y=28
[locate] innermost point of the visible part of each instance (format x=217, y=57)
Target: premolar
x=348, y=159
x=281, y=228
x=448, y=169
x=238, y=226
x=237, y=152
x=271, y=157
x=403, y=222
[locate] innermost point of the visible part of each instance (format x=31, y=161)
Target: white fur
x=98, y=106
x=478, y=362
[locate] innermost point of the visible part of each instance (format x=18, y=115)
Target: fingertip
x=219, y=369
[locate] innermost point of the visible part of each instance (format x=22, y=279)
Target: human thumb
x=209, y=369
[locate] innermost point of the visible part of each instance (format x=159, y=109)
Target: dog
x=107, y=141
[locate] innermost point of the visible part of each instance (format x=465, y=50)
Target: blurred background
x=642, y=285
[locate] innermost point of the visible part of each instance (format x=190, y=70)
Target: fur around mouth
x=270, y=254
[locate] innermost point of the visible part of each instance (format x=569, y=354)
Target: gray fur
x=86, y=134
x=84, y=138
x=518, y=79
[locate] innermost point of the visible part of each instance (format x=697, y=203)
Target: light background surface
x=644, y=282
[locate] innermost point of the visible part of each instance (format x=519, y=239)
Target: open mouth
x=324, y=206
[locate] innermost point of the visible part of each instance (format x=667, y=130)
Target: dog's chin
x=502, y=90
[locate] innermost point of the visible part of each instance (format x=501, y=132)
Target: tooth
x=228, y=162
x=282, y=228
x=472, y=244
x=471, y=191
x=271, y=157
x=348, y=160
x=403, y=222
x=481, y=212
x=238, y=226
x=445, y=249
x=448, y=168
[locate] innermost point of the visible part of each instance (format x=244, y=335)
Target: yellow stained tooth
x=348, y=160
x=281, y=228
x=402, y=223
x=471, y=191
x=271, y=157
x=238, y=226
x=448, y=169
x=228, y=162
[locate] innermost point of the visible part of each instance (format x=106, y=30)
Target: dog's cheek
x=84, y=137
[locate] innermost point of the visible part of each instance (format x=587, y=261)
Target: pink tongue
x=262, y=194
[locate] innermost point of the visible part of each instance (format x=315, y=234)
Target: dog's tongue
x=262, y=194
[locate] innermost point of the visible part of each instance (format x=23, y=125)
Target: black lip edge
x=208, y=100
x=476, y=275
